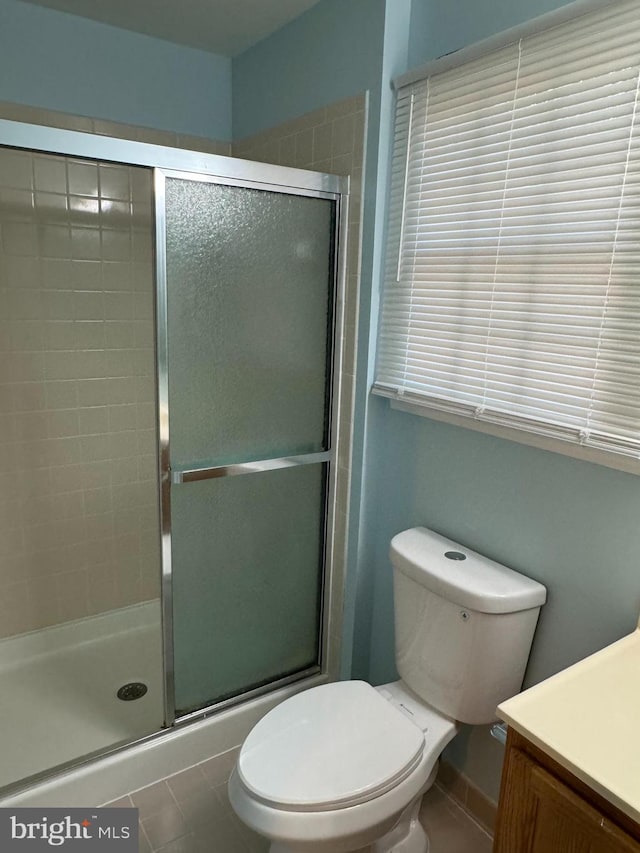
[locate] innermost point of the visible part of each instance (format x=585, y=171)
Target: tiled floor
x=190, y=813
x=450, y=829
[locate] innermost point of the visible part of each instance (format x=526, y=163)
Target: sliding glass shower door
x=246, y=317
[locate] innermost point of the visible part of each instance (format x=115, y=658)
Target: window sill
x=618, y=461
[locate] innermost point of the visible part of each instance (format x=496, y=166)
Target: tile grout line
x=454, y=806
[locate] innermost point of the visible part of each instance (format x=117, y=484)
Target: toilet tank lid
x=464, y=577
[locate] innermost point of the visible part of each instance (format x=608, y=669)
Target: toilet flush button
x=455, y=555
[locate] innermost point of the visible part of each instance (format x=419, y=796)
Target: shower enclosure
x=170, y=331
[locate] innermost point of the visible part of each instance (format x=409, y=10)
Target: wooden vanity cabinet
x=545, y=809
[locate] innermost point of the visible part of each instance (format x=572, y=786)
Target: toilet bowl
x=340, y=767
x=343, y=767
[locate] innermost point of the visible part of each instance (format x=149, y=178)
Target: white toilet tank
x=464, y=625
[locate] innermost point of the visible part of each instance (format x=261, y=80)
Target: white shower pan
x=59, y=689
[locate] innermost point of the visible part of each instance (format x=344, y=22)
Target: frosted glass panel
x=247, y=581
x=250, y=319
x=249, y=301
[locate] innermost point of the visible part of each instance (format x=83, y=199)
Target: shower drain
x=131, y=691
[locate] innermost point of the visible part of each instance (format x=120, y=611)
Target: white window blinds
x=512, y=289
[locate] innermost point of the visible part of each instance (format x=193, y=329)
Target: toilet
x=343, y=766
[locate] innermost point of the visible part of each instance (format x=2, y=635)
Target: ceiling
x=227, y=27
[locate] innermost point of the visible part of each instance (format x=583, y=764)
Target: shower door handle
x=212, y=472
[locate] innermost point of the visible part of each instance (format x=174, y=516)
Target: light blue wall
x=332, y=52
x=438, y=28
x=569, y=524
x=359, y=592
x=62, y=62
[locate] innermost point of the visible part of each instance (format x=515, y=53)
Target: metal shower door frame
x=288, y=182
x=71, y=143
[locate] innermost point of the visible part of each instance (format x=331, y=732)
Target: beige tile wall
x=78, y=483
x=70, y=583
x=53, y=118
x=78, y=513
x=331, y=139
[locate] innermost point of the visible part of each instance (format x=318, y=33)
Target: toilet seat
x=329, y=748
x=337, y=829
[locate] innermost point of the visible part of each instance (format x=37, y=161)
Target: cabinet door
x=565, y=823
x=542, y=815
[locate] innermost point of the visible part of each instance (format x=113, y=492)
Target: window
x=512, y=284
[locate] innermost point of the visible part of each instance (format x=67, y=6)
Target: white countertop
x=587, y=718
